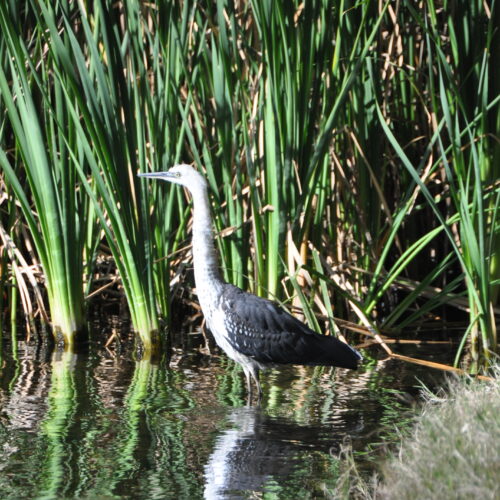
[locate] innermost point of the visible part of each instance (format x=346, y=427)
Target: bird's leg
x=252, y=373
x=249, y=383
x=255, y=374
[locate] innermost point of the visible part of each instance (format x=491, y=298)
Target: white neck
x=206, y=268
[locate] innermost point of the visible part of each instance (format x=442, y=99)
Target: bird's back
x=263, y=331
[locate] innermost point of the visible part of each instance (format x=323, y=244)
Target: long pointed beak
x=158, y=175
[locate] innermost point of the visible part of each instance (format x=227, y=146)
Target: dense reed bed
x=351, y=149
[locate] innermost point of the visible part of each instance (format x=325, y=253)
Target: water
x=101, y=425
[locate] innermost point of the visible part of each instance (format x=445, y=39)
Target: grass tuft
x=451, y=452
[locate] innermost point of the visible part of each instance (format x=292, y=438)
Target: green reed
x=462, y=142
x=111, y=130
x=37, y=170
x=350, y=148
x=469, y=104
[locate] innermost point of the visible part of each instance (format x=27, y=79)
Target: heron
x=254, y=332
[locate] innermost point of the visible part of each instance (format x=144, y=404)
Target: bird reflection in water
x=258, y=451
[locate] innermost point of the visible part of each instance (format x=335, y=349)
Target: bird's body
x=254, y=332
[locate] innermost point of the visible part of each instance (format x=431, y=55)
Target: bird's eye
x=177, y=174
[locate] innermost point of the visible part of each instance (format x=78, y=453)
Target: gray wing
x=267, y=333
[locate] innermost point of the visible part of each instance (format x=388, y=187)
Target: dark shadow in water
x=258, y=450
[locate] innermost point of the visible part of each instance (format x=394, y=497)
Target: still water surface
x=101, y=425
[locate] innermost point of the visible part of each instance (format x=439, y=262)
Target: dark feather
x=267, y=333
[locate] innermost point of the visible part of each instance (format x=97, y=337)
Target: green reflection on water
x=90, y=443
x=94, y=426
x=55, y=475
x=143, y=451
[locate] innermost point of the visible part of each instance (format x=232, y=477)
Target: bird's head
x=185, y=175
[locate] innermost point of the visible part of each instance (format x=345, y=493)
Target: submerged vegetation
x=351, y=148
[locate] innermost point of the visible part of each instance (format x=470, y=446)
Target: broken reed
x=350, y=148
